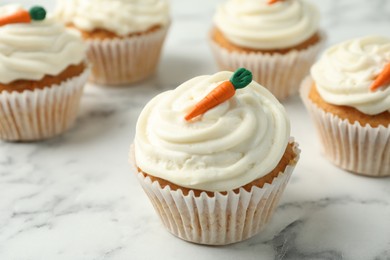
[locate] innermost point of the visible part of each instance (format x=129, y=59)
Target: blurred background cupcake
x=227, y=165
x=348, y=97
x=124, y=37
x=277, y=40
x=42, y=74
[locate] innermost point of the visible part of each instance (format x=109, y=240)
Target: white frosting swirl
x=29, y=51
x=229, y=146
x=345, y=72
x=258, y=25
x=122, y=17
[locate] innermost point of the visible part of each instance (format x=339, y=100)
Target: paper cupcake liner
x=124, y=61
x=41, y=113
x=279, y=73
x=360, y=149
x=220, y=219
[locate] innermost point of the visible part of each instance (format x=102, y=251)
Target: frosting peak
x=122, y=17
x=345, y=72
x=258, y=25
x=29, y=51
x=229, y=146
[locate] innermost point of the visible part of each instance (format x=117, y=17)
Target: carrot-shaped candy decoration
x=226, y=90
x=36, y=13
x=270, y=2
x=382, y=79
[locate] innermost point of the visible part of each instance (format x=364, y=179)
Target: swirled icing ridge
x=29, y=51
x=345, y=72
x=122, y=17
x=256, y=24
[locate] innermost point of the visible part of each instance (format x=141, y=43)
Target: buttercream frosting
x=229, y=146
x=122, y=17
x=29, y=51
x=345, y=72
x=258, y=25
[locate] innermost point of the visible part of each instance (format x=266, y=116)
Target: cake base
x=349, y=113
x=41, y=113
x=218, y=37
x=219, y=218
x=281, y=72
x=360, y=149
x=47, y=81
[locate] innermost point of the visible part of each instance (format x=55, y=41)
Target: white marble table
x=74, y=197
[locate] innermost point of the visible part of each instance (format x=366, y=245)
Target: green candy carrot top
x=226, y=90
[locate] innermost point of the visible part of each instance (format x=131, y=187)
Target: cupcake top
x=256, y=24
x=345, y=72
x=227, y=147
x=122, y=17
x=31, y=50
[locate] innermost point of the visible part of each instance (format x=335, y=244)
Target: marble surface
x=74, y=197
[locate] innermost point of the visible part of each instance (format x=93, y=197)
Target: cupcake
x=124, y=37
x=348, y=96
x=214, y=171
x=277, y=40
x=42, y=74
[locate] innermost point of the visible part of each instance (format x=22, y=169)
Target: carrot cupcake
x=214, y=161
x=42, y=74
x=348, y=96
x=277, y=40
x=124, y=37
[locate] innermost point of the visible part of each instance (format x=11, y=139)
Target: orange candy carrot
x=220, y=94
x=20, y=16
x=226, y=90
x=382, y=79
x=36, y=13
x=270, y=2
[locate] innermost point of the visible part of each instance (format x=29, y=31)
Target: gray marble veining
x=74, y=197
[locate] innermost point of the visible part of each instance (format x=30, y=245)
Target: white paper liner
x=125, y=61
x=279, y=73
x=218, y=220
x=362, y=150
x=41, y=113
